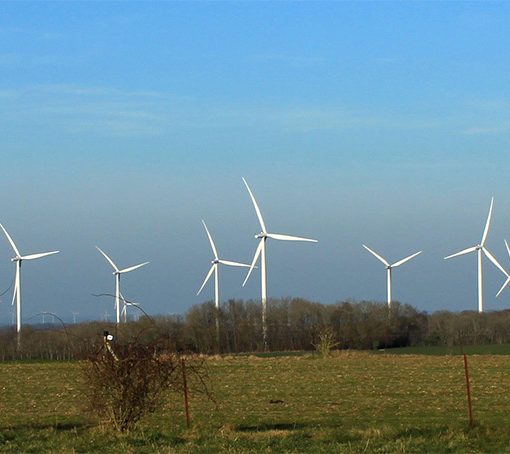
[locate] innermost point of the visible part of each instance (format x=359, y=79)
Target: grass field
x=350, y=402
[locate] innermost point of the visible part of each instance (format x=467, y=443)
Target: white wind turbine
x=479, y=248
x=18, y=258
x=261, y=251
x=124, y=308
x=117, y=274
x=215, y=269
x=389, y=267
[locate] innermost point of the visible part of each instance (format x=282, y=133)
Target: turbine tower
x=117, y=274
x=18, y=258
x=215, y=269
x=389, y=268
x=479, y=248
x=261, y=251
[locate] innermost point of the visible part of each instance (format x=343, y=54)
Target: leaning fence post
x=468, y=389
x=185, y=390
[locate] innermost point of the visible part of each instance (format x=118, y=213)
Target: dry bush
x=326, y=342
x=124, y=383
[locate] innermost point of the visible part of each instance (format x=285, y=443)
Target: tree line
x=293, y=324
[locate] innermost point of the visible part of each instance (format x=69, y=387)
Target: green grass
x=494, y=349
x=350, y=402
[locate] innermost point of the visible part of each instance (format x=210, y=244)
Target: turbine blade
x=464, y=251
x=507, y=247
x=10, y=241
x=131, y=268
x=401, y=262
x=487, y=224
x=38, y=256
x=206, y=278
x=14, y=293
x=110, y=261
x=255, y=258
x=278, y=236
x=494, y=261
x=229, y=263
x=213, y=247
x=503, y=286
x=257, y=209
x=376, y=255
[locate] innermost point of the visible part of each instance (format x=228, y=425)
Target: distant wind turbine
x=389, y=268
x=215, y=269
x=18, y=258
x=124, y=307
x=117, y=272
x=479, y=248
x=261, y=251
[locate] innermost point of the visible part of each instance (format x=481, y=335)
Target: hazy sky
x=123, y=124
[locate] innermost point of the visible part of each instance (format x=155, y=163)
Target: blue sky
x=124, y=124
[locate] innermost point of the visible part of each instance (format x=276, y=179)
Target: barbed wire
x=8, y=288
x=126, y=301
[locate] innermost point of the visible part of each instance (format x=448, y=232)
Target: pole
x=468, y=390
x=185, y=389
x=263, y=286
x=117, y=297
x=17, y=288
x=480, y=281
x=217, y=304
x=388, y=286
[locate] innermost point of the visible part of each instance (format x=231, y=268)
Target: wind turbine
x=117, y=274
x=389, y=268
x=18, y=258
x=479, y=248
x=124, y=307
x=215, y=269
x=261, y=251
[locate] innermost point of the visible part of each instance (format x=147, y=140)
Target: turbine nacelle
x=260, y=235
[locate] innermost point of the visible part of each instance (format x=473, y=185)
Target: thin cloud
x=19, y=61
x=34, y=34
x=491, y=130
x=294, y=60
x=110, y=111
x=82, y=90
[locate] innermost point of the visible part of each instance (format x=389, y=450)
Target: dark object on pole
x=185, y=390
x=468, y=390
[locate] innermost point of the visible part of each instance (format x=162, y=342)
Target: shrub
x=326, y=342
x=126, y=383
